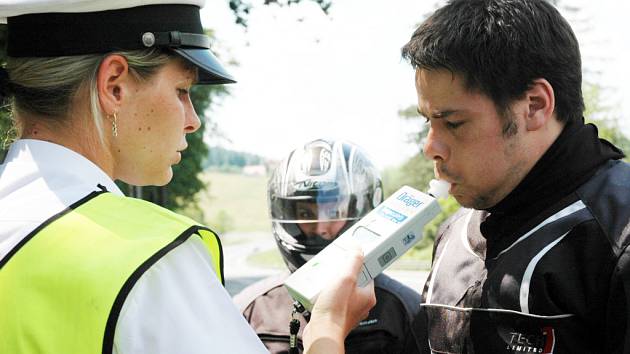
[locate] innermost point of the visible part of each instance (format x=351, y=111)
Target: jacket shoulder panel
x=607, y=196
x=247, y=296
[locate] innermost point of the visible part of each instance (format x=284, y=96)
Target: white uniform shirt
x=177, y=306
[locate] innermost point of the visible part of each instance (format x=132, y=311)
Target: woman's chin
x=165, y=178
x=154, y=178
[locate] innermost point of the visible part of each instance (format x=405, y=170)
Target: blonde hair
x=47, y=86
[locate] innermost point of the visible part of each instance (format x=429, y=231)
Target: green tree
x=5, y=118
x=603, y=117
x=241, y=8
x=223, y=159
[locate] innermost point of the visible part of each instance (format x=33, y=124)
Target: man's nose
x=435, y=148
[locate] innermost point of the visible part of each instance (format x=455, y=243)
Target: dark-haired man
x=536, y=262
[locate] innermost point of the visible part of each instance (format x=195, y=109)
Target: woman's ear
x=111, y=80
x=541, y=104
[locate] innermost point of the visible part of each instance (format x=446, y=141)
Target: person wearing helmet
x=320, y=190
x=99, y=91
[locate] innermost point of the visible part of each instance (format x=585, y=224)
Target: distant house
x=254, y=170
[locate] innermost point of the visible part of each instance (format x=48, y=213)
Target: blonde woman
x=100, y=92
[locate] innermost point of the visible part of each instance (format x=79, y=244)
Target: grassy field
x=235, y=202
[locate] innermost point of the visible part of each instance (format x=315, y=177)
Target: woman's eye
x=182, y=92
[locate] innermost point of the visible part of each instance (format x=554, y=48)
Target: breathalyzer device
x=384, y=234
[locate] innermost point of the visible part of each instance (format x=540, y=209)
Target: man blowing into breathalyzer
x=537, y=260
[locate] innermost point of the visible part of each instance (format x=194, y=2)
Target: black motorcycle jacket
x=267, y=307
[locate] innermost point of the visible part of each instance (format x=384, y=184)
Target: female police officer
x=99, y=92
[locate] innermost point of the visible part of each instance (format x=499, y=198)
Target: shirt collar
x=50, y=158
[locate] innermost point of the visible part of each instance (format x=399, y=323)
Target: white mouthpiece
x=438, y=188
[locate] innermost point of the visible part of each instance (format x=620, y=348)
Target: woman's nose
x=192, y=120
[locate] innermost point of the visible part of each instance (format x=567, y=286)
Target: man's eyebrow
x=436, y=114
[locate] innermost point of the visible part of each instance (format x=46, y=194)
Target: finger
x=353, y=263
x=367, y=297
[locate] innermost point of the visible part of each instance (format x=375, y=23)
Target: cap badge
x=148, y=39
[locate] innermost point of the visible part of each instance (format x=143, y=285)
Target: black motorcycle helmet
x=323, y=181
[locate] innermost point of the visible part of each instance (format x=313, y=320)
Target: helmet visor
x=305, y=210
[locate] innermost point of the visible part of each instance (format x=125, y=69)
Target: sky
x=303, y=74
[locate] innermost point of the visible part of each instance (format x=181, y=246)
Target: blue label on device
x=392, y=214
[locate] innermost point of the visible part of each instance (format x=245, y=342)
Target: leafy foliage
x=603, y=117
x=6, y=132
x=241, y=8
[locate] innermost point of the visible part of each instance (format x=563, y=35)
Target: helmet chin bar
x=293, y=252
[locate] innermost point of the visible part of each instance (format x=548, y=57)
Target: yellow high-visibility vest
x=63, y=287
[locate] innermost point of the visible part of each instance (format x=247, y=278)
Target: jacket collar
x=569, y=162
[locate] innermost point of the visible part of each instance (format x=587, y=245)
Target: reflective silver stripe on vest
x=434, y=272
x=464, y=236
x=529, y=271
x=577, y=206
x=481, y=309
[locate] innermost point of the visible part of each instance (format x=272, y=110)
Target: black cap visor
x=210, y=70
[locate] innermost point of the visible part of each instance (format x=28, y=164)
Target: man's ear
x=541, y=104
x=111, y=80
